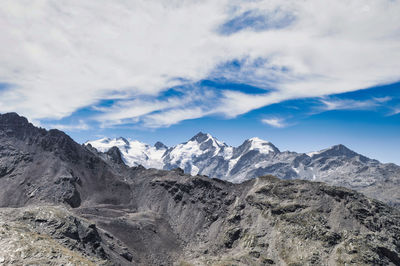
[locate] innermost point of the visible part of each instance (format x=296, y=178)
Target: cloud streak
x=81, y=125
x=60, y=56
x=350, y=104
x=274, y=122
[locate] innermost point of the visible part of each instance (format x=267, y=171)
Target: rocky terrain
x=205, y=155
x=64, y=203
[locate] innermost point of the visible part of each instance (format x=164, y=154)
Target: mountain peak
x=201, y=137
x=160, y=146
x=261, y=145
x=13, y=121
x=104, y=140
x=18, y=126
x=124, y=140
x=257, y=139
x=13, y=118
x=336, y=150
x=115, y=155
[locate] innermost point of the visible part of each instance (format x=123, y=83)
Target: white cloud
x=274, y=122
x=235, y=103
x=350, y=104
x=174, y=116
x=81, y=125
x=131, y=110
x=60, y=56
x=153, y=112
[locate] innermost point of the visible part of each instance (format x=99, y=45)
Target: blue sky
x=304, y=75
x=367, y=121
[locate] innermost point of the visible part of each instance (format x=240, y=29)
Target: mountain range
x=203, y=154
x=62, y=203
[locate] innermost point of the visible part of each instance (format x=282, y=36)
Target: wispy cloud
x=395, y=111
x=174, y=116
x=350, y=104
x=274, y=122
x=159, y=112
x=81, y=125
x=58, y=57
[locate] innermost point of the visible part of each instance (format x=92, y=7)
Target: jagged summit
x=160, y=146
x=115, y=155
x=13, y=124
x=200, y=137
x=9, y=119
x=53, y=140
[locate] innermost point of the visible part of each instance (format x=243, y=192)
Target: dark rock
x=178, y=171
x=115, y=155
x=286, y=209
x=268, y=261
x=231, y=236
x=128, y=256
x=391, y=255
x=160, y=146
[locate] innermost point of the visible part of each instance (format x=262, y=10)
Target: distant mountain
x=205, y=155
x=62, y=203
x=134, y=152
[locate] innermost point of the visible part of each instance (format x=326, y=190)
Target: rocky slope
x=82, y=207
x=205, y=155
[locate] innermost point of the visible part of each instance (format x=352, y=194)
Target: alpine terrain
x=205, y=155
x=65, y=203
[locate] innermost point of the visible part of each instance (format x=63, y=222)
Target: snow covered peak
x=199, y=137
x=261, y=145
x=202, y=137
x=104, y=144
x=133, y=152
x=206, y=141
x=194, y=156
x=121, y=139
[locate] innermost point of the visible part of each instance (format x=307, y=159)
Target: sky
x=304, y=75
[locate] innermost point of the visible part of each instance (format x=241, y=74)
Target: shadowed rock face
x=48, y=166
x=125, y=216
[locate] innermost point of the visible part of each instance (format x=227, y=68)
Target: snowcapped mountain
x=133, y=152
x=205, y=155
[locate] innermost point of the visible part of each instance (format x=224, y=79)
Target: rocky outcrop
x=52, y=235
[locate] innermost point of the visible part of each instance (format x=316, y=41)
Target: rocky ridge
x=84, y=207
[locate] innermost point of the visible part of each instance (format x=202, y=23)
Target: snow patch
x=232, y=163
x=296, y=170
